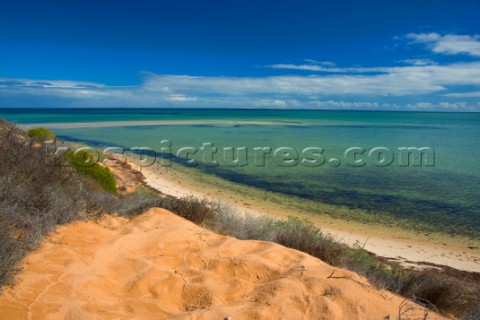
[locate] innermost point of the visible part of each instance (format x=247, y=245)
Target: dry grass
x=34, y=198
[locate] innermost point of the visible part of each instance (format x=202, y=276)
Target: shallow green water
x=439, y=197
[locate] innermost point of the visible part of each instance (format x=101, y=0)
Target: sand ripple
x=160, y=266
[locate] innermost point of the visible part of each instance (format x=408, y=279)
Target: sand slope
x=160, y=266
x=407, y=247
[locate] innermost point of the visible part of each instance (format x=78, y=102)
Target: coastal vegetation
x=84, y=163
x=41, y=134
x=35, y=198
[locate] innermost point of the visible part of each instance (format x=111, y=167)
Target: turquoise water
x=443, y=196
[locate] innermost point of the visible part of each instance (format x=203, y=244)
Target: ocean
x=356, y=161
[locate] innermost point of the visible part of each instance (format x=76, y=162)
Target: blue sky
x=361, y=55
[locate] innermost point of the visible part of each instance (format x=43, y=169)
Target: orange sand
x=160, y=266
x=405, y=246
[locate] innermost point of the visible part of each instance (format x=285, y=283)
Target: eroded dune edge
x=160, y=266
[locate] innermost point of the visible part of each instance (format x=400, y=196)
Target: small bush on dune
x=199, y=211
x=96, y=200
x=84, y=163
x=41, y=134
x=304, y=236
x=142, y=192
x=448, y=294
x=246, y=226
x=368, y=265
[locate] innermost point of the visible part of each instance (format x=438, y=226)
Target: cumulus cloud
x=450, y=44
x=326, y=85
x=274, y=91
x=393, y=81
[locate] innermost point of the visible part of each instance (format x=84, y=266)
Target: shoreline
x=407, y=247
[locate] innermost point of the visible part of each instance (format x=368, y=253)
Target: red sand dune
x=160, y=266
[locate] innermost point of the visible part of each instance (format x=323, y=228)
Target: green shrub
x=84, y=162
x=143, y=192
x=41, y=134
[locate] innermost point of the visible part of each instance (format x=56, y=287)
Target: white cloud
x=329, y=87
x=394, y=81
x=311, y=67
x=420, y=105
x=475, y=94
x=437, y=106
x=418, y=62
x=271, y=103
x=146, y=95
x=450, y=44
x=331, y=104
x=62, y=84
x=277, y=91
x=423, y=37
x=321, y=63
x=181, y=98
x=305, y=67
